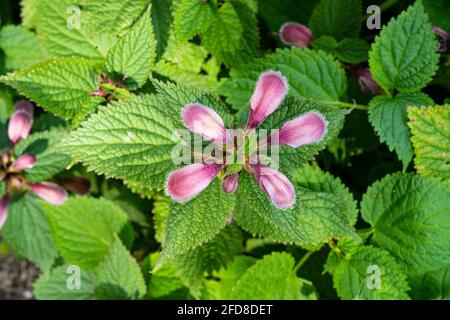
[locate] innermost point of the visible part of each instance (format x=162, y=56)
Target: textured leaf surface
x=312, y=221
x=310, y=74
x=195, y=222
x=129, y=140
x=61, y=86
x=354, y=277
x=271, y=278
x=404, y=56
x=411, y=219
x=389, y=118
x=316, y=180
x=28, y=13
x=53, y=285
x=84, y=229
x=133, y=56
x=434, y=284
x=49, y=161
x=209, y=257
x=430, y=129
x=337, y=18
x=27, y=231
x=119, y=276
x=20, y=46
x=162, y=22
x=57, y=39
x=349, y=50
x=164, y=281
x=233, y=36
x=193, y=17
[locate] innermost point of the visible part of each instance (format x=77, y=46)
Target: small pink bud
x=305, y=129
x=366, y=82
x=205, y=122
x=296, y=34
x=185, y=183
x=230, y=183
x=3, y=209
x=445, y=39
x=270, y=91
x=50, y=192
x=24, y=162
x=276, y=185
x=21, y=121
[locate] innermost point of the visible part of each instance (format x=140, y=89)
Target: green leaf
x=49, y=161
x=130, y=140
x=337, y=18
x=21, y=47
x=356, y=276
x=61, y=86
x=160, y=213
x=133, y=56
x=111, y=17
x=119, y=275
x=195, y=222
x=28, y=13
x=209, y=257
x=389, y=118
x=162, y=21
x=312, y=221
x=53, y=285
x=27, y=231
x=59, y=40
x=430, y=129
x=193, y=17
x=6, y=105
x=404, y=56
x=84, y=228
x=434, y=284
x=349, y=50
x=410, y=217
x=316, y=180
x=290, y=159
x=438, y=11
x=165, y=280
x=272, y=278
x=310, y=74
x=233, y=36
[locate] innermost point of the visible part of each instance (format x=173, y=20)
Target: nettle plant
x=235, y=149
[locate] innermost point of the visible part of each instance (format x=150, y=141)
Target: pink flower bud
x=276, y=185
x=24, y=162
x=185, y=183
x=305, y=129
x=445, y=39
x=295, y=34
x=21, y=121
x=205, y=122
x=269, y=93
x=366, y=82
x=230, y=183
x=50, y=192
x=3, y=209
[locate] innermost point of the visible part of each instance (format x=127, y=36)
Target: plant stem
x=386, y=5
x=302, y=261
x=349, y=105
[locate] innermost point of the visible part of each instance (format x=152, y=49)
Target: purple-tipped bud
x=185, y=183
x=305, y=129
x=230, y=219
x=296, y=34
x=366, y=82
x=24, y=162
x=21, y=121
x=205, y=122
x=270, y=91
x=3, y=209
x=77, y=185
x=230, y=183
x=276, y=185
x=444, y=45
x=50, y=192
